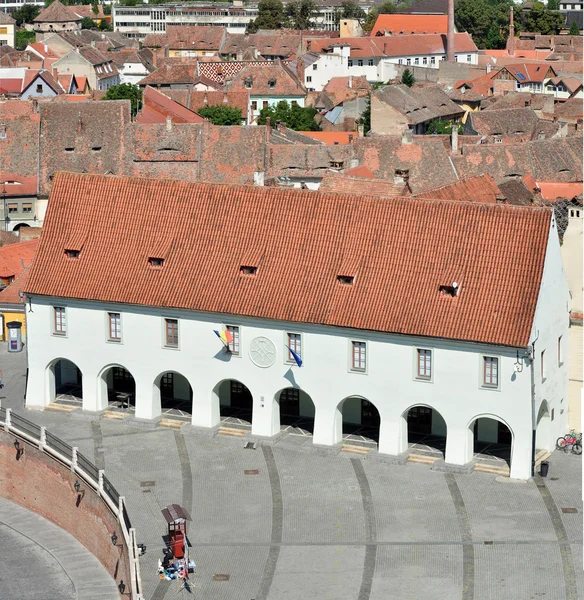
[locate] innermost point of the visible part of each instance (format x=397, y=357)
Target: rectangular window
x=542, y=365
x=425, y=60
x=359, y=356
x=408, y=61
x=400, y=61
x=265, y=104
x=12, y=208
x=60, y=320
x=26, y=207
x=360, y=63
x=432, y=60
x=490, y=371
x=416, y=61
x=560, y=354
x=115, y=327
x=350, y=63
x=424, y=364
x=294, y=343
x=308, y=79
x=370, y=62
x=234, y=344
x=468, y=58
x=314, y=67
x=254, y=104
x=171, y=332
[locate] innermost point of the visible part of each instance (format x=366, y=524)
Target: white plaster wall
x=552, y=318
x=327, y=67
x=389, y=382
x=461, y=57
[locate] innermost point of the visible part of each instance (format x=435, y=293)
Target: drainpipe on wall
x=531, y=352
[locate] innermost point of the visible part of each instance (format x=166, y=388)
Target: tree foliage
x=542, y=20
x=87, y=23
x=408, y=78
x=443, y=126
x=23, y=38
x=386, y=8
x=350, y=9
x=295, y=116
x=126, y=91
x=301, y=13
x=222, y=114
x=574, y=29
x=107, y=9
x=553, y=4
x=25, y=14
x=270, y=16
x=365, y=118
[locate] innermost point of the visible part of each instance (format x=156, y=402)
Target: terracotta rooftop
x=551, y=190
x=273, y=80
x=194, y=100
x=195, y=37
x=11, y=293
x=407, y=24
x=359, y=186
x=531, y=72
x=6, y=19
x=332, y=138
x=14, y=258
x=157, y=107
x=214, y=228
x=361, y=171
x=506, y=122
x=481, y=189
x=56, y=13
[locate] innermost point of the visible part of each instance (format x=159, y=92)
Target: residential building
x=7, y=30
x=400, y=24
x=86, y=61
x=56, y=17
x=14, y=259
x=150, y=318
x=12, y=304
x=527, y=77
x=398, y=108
x=195, y=100
x=159, y=108
x=268, y=86
x=134, y=66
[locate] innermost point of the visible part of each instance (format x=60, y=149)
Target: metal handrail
x=105, y=493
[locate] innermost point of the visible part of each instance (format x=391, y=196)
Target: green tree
x=408, y=78
x=296, y=117
x=365, y=118
x=542, y=20
x=25, y=14
x=474, y=17
x=105, y=26
x=386, y=8
x=350, y=9
x=126, y=91
x=442, y=126
x=23, y=38
x=87, y=23
x=222, y=114
x=574, y=29
x=95, y=8
x=301, y=13
x=553, y=4
x=107, y=9
x=270, y=16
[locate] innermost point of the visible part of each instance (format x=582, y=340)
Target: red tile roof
x=11, y=293
x=332, y=138
x=552, y=190
x=14, y=258
x=361, y=171
x=400, y=24
x=526, y=72
x=196, y=100
x=305, y=233
x=157, y=107
x=481, y=189
x=358, y=186
x=56, y=13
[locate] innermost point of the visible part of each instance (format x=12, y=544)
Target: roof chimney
x=511, y=38
x=408, y=137
x=454, y=140
x=350, y=82
x=450, y=33
x=169, y=123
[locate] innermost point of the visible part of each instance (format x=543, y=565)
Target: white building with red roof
x=394, y=327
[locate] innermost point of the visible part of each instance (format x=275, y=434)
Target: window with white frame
x=370, y=62
x=425, y=60
x=468, y=58
x=309, y=79
x=60, y=320
x=349, y=63
x=171, y=333
x=490, y=375
x=542, y=365
x=400, y=61
x=358, y=356
x=234, y=343
x=314, y=67
x=416, y=61
x=294, y=343
x=432, y=60
x=360, y=62
x=114, y=327
x=560, y=353
x=408, y=61
x=423, y=364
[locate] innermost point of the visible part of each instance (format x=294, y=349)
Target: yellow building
x=12, y=304
x=7, y=30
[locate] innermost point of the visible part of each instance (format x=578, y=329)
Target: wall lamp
x=122, y=586
x=114, y=538
x=19, y=449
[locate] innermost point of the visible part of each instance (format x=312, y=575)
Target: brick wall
x=41, y=484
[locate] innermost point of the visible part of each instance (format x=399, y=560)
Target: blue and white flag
x=295, y=356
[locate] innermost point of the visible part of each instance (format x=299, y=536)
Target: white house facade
x=388, y=386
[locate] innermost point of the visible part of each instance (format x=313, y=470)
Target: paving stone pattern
x=330, y=527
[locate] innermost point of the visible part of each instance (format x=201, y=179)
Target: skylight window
x=248, y=270
x=156, y=262
x=345, y=279
x=521, y=76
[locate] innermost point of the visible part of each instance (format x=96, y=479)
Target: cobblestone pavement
x=340, y=527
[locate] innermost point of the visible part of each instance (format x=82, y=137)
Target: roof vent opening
x=346, y=279
x=72, y=253
x=248, y=270
x=450, y=290
x=156, y=262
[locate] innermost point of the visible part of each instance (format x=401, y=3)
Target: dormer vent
x=75, y=244
x=72, y=253
x=248, y=270
x=156, y=262
x=346, y=279
x=450, y=290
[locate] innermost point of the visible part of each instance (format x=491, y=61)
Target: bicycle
x=571, y=441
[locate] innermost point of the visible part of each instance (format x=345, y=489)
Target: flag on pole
x=295, y=356
x=225, y=336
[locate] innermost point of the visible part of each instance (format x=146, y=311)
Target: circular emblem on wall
x=262, y=352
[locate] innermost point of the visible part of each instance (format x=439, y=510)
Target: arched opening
x=175, y=396
x=120, y=388
x=65, y=383
x=426, y=431
x=361, y=421
x=19, y=226
x=296, y=411
x=492, y=443
x=235, y=401
x=543, y=429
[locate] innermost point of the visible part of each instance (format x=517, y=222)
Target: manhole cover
x=251, y=472
x=147, y=483
x=569, y=510
x=221, y=577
